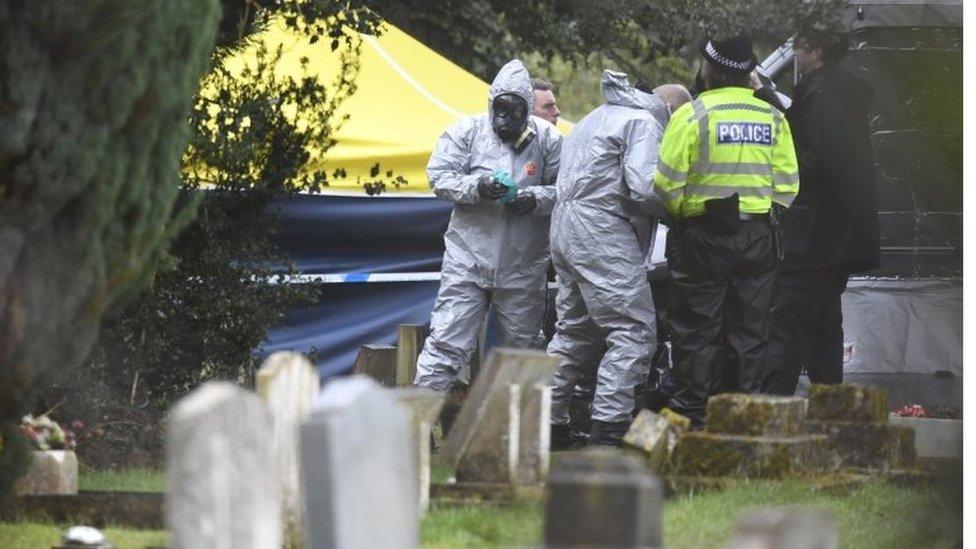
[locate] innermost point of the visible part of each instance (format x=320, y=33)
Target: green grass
x=513, y=525
x=39, y=535
x=122, y=480
x=876, y=515
x=440, y=471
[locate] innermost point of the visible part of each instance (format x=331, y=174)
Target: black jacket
x=833, y=223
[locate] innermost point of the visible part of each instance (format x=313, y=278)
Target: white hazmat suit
x=602, y=225
x=492, y=256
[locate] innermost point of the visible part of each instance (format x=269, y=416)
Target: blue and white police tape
x=343, y=278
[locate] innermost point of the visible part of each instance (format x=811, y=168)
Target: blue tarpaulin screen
x=350, y=234
x=325, y=234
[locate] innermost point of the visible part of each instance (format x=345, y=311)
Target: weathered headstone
x=785, y=528
x=422, y=405
x=288, y=383
x=378, y=362
x=221, y=471
x=51, y=473
x=847, y=402
x=656, y=435
x=754, y=436
x=855, y=420
x=933, y=437
x=602, y=499
x=534, y=425
x=503, y=424
x=757, y=415
x=410, y=341
x=358, y=469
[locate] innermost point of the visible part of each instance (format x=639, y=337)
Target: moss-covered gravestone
x=855, y=420
x=752, y=436
x=656, y=435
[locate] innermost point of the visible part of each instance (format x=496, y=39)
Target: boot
x=448, y=414
x=560, y=437
x=604, y=433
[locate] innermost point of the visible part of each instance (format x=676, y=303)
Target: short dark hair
x=718, y=78
x=542, y=85
x=833, y=44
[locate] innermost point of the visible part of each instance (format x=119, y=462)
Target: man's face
x=544, y=105
x=807, y=58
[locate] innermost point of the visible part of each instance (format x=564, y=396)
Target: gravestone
x=934, y=438
x=221, y=471
x=753, y=436
x=855, y=420
x=602, y=499
x=656, y=435
x=378, y=362
x=422, y=406
x=410, y=341
x=501, y=434
x=51, y=473
x=358, y=469
x=288, y=383
x=785, y=528
x=535, y=408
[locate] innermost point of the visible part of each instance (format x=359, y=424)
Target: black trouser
x=806, y=331
x=722, y=288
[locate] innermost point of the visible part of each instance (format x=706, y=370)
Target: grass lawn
x=125, y=480
x=875, y=516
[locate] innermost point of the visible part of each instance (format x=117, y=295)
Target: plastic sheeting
x=358, y=235
x=903, y=326
x=324, y=234
x=348, y=316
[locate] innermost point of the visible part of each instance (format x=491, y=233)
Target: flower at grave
x=911, y=410
x=46, y=434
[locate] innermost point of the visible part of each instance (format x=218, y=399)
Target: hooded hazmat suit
x=601, y=228
x=492, y=256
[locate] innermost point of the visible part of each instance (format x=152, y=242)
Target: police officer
x=725, y=159
x=496, y=248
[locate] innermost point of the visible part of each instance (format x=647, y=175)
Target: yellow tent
x=406, y=96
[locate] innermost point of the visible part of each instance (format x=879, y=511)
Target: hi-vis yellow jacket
x=726, y=141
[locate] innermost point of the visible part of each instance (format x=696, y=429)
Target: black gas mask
x=510, y=120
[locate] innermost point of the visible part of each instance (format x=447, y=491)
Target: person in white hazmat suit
x=496, y=248
x=602, y=226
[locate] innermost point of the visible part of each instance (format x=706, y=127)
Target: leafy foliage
x=482, y=35
x=202, y=320
x=254, y=134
